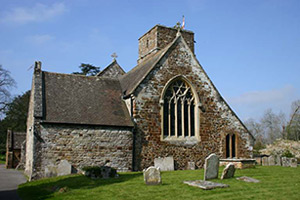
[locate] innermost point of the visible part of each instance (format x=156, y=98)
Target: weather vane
x=114, y=55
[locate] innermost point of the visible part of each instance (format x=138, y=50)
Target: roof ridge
x=81, y=75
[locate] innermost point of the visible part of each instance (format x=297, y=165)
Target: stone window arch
x=231, y=145
x=179, y=110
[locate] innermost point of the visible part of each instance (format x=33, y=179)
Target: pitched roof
x=131, y=80
x=78, y=99
x=113, y=70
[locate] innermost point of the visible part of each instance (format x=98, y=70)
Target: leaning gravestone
x=164, y=164
x=191, y=166
x=64, y=168
x=271, y=160
x=265, y=161
x=152, y=176
x=211, y=167
x=228, y=171
x=293, y=162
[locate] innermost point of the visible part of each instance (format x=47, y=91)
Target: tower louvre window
x=179, y=110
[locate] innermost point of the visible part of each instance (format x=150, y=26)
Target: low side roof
x=86, y=100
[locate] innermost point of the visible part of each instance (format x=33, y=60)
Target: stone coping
x=237, y=160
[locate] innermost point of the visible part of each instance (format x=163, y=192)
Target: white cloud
x=253, y=104
x=39, y=12
x=40, y=39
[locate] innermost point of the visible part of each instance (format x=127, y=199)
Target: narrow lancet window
x=179, y=110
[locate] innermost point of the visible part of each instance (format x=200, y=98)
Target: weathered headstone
x=265, y=161
x=278, y=160
x=293, y=162
x=64, y=168
x=248, y=179
x=211, y=167
x=271, y=160
x=205, y=185
x=152, y=176
x=285, y=161
x=164, y=164
x=228, y=171
x=191, y=166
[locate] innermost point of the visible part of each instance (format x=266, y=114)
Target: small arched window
x=179, y=110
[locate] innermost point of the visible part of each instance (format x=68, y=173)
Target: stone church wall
x=83, y=146
x=216, y=120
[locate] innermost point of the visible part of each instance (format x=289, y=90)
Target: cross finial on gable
x=114, y=56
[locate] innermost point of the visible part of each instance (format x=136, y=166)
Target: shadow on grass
x=45, y=188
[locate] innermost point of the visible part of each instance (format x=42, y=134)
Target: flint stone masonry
x=211, y=167
x=152, y=176
x=205, y=185
x=228, y=171
x=271, y=160
x=164, y=164
x=83, y=146
x=217, y=120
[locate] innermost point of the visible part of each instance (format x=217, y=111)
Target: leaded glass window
x=179, y=110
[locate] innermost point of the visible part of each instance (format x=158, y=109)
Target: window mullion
x=175, y=112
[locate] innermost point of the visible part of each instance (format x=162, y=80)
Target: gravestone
x=164, y=164
x=205, y=185
x=271, y=160
x=152, y=176
x=293, y=162
x=211, y=167
x=265, y=161
x=248, y=179
x=285, y=161
x=278, y=160
x=228, y=171
x=191, y=166
x=64, y=168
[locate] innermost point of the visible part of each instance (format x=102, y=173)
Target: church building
x=165, y=106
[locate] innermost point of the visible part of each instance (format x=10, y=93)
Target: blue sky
x=250, y=49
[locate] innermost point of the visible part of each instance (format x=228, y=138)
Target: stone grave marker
x=164, y=164
x=293, y=162
x=278, y=160
x=191, y=166
x=285, y=161
x=248, y=179
x=205, y=185
x=228, y=171
x=64, y=168
x=271, y=160
x=211, y=167
x=152, y=176
x=265, y=161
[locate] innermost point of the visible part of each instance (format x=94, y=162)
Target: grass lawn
x=276, y=183
x=2, y=159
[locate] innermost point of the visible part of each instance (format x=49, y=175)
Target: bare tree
x=273, y=125
x=6, y=83
x=293, y=126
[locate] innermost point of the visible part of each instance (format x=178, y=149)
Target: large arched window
x=178, y=112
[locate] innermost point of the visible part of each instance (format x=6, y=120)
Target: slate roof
x=78, y=99
x=113, y=70
x=134, y=77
